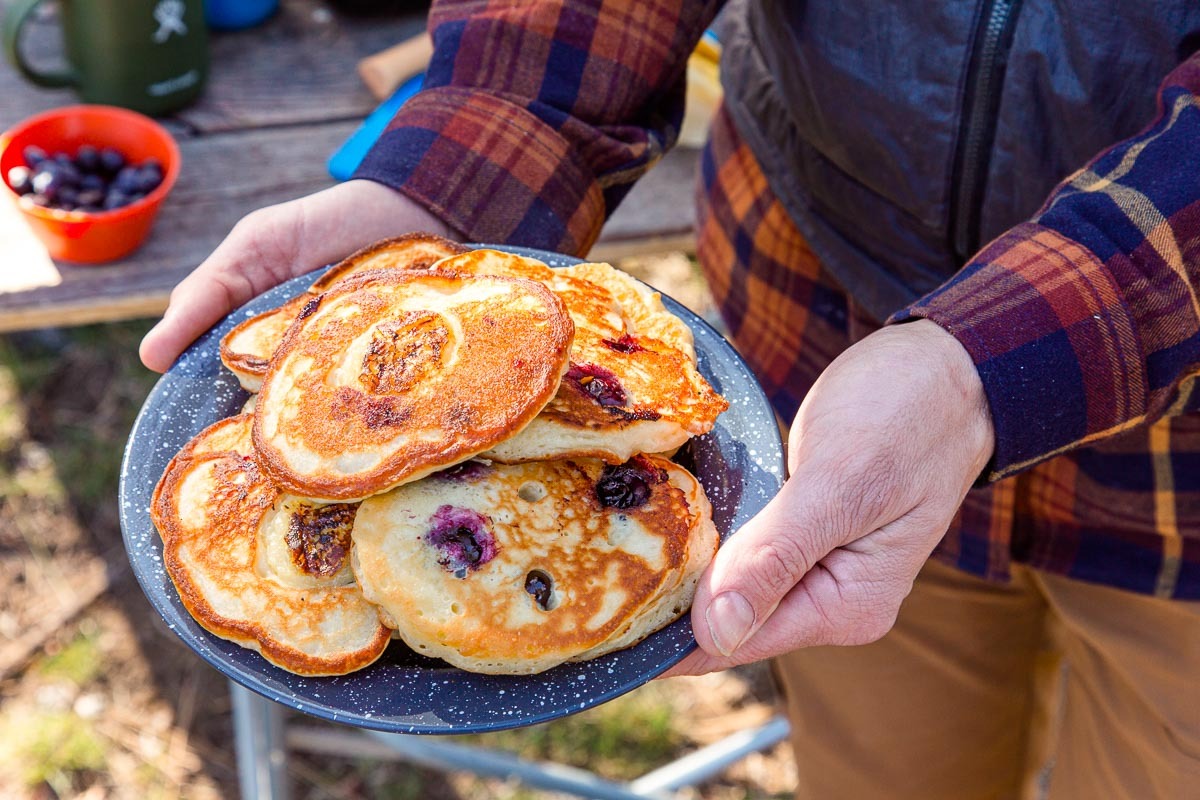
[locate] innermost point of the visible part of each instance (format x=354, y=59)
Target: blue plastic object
x=347, y=157
x=233, y=15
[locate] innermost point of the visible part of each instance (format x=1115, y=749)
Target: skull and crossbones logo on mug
x=169, y=16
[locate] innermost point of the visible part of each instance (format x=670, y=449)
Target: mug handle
x=14, y=21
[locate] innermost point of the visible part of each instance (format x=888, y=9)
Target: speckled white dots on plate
x=740, y=464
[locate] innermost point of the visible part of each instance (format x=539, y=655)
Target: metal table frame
x=262, y=739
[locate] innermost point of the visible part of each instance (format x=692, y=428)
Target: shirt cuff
x=1054, y=342
x=490, y=169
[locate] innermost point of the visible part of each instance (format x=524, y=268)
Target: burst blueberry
x=463, y=471
x=628, y=485
x=626, y=344
x=600, y=383
x=462, y=538
x=541, y=587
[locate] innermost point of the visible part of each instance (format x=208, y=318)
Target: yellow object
x=704, y=92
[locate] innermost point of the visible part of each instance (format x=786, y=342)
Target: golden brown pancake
x=517, y=568
x=674, y=600
x=411, y=251
x=642, y=307
x=393, y=374
x=632, y=386
x=247, y=349
x=263, y=569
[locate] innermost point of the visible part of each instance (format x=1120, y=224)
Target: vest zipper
x=985, y=78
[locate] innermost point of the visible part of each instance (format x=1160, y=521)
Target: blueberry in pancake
x=632, y=386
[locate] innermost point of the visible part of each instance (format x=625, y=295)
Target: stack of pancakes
x=462, y=448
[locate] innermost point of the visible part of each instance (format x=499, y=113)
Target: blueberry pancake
x=514, y=569
x=247, y=349
x=632, y=386
x=411, y=251
x=263, y=569
x=675, y=599
x=642, y=307
x=393, y=374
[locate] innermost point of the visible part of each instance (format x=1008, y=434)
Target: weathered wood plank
x=298, y=67
x=222, y=179
x=229, y=175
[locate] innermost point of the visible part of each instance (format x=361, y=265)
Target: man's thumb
x=750, y=575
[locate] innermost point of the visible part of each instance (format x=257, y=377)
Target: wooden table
x=280, y=99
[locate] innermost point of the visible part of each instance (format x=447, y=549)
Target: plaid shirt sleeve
x=1085, y=321
x=537, y=116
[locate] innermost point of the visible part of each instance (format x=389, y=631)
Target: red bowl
x=91, y=237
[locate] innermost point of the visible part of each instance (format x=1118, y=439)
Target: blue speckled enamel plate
x=740, y=464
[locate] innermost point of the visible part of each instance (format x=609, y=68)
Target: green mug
x=147, y=55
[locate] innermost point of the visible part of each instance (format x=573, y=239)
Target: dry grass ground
x=99, y=700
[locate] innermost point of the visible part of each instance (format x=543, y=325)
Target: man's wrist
x=957, y=376
x=390, y=212
x=341, y=219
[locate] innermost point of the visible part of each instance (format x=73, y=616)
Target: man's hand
x=276, y=243
x=881, y=454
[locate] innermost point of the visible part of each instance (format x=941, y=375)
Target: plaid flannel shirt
x=1084, y=322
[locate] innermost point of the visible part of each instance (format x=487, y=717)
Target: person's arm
x=1077, y=325
x=536, y=119
x=1085, y=321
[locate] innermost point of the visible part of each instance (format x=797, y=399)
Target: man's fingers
x=769, y=555
x=824, y=505
x=804, y=617
x=842, y=600
x=223, y=282
x=273, y=244
x=197, y=303
x=751, y=573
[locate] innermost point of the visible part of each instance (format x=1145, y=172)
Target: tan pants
x=1047, y=687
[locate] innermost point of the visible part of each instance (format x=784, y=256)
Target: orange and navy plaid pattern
x=536, y=118
x=1084, y=322
x=1123, y=512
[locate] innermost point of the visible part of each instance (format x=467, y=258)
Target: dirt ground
x=98, y=699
